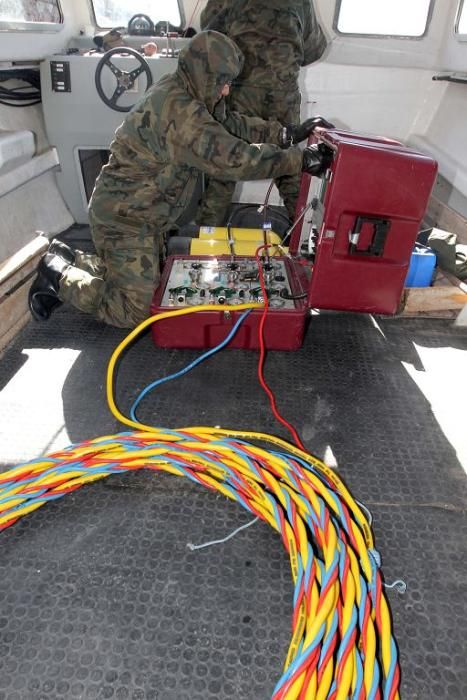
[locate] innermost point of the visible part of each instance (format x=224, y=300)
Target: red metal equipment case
x=373, y=199
x=366, y=217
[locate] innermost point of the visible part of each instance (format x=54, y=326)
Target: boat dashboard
x=85, y=95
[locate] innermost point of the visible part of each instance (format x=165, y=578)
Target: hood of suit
x=206, y=64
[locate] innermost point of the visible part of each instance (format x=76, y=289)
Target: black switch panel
x=60, y=74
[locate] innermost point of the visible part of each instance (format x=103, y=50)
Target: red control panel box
x=230, y=281
x=365, y=219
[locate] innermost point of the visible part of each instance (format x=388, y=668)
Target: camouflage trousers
x=117, y=284
x=267, y=104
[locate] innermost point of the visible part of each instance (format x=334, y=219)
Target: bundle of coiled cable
x=342, y=644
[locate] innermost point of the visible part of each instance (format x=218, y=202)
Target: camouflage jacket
x=275, y=36
x=171, y=135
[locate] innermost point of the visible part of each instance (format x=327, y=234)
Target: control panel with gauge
x=195, y=281
x=229, y=281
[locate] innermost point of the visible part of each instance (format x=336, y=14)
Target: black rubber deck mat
x=100, y=597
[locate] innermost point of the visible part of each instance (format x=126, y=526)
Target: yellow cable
x=139, y=329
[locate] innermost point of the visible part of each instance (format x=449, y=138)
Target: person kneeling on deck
x=172, y=135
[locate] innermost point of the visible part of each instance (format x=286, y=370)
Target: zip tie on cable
x=376, y=556
x=193, y=547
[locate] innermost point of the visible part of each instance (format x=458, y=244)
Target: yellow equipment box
x=219, y=240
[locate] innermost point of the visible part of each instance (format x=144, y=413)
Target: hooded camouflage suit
x=276, y=37
x=168, y=139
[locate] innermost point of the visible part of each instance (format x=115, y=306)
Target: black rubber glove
x=316, y=159
x=296, y=134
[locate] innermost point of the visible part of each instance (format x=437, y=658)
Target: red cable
x=262, y=355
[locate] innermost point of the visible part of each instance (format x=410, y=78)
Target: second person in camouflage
x=276, y=37
x=168, y=139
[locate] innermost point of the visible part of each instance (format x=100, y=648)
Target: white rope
x=193, y=547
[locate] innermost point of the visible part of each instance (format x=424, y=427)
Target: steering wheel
x=141, y=25
x=125, y=79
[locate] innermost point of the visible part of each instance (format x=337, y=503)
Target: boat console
x=85, y=95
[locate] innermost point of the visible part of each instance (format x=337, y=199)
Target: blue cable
x=189, y=367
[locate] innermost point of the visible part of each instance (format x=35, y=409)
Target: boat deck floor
x=100, y=597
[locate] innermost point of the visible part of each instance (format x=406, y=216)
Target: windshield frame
x=369, y=35
x=19, y=26
x=461, y=35
x=101, y=27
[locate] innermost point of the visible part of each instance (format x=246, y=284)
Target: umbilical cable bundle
x=342, y=644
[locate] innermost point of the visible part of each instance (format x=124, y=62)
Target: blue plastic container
x=422, y=267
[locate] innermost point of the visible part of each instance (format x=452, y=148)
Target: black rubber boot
x=43, y=294
x=63, y=251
